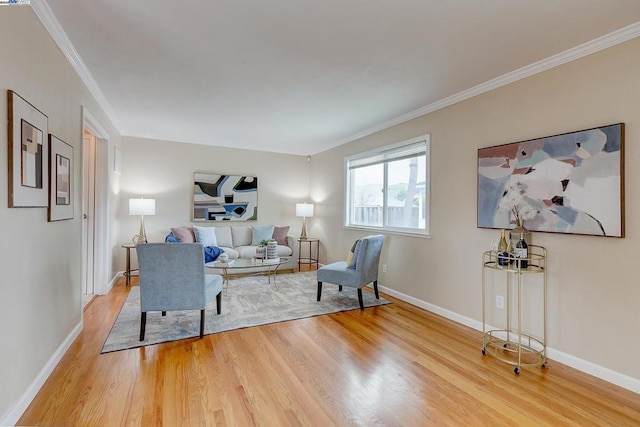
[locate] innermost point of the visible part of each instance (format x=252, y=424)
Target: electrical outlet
x=499, y=301
x=384, y=268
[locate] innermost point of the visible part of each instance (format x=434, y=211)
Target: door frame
x=88, y=205
x=101, y=264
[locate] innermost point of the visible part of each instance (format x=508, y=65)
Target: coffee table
x=248, y=267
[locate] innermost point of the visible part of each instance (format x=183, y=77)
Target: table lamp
x=141, y=207
x=305, y=210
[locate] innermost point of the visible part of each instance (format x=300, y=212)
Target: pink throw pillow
x=280, y=235
x=184, y=234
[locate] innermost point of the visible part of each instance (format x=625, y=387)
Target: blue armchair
x=172, y=278
x=359, y=273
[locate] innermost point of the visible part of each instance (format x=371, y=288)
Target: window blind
x=399, y=153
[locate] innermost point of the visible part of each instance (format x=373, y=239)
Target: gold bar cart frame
x=510, y=345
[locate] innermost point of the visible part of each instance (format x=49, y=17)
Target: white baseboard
x=609, y=375
x=598, y=371
x=467, y=321
x=113, y=281
x=14, y=413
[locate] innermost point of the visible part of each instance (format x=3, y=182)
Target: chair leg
x=340, y=288
x=360, y=298
x=375, y=289
x=164, y=313
x=201, y=323
x=319, y=290
x=143, y=324
x=219, y=302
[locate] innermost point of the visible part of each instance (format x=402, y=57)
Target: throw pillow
x=241, y=236
x=280, y=234
x=352, y=256
x=260, y=233
x=183, y=234
x=171, y=239
x=205, y=235
x=224, y=237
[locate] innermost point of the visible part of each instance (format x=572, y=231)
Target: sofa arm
x=292, y=242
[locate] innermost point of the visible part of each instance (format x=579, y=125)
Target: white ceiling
x=302, y=76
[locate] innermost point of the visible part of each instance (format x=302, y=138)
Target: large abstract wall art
x=570, y=183
x=218, y=197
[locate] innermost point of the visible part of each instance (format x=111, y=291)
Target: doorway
x=95, y=208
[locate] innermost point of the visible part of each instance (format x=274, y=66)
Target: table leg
x=127, y=273
x=225, y=281
x=275, y=272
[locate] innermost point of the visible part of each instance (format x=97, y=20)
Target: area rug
x=248, y=301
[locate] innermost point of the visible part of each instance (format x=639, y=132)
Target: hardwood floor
x=390, y=365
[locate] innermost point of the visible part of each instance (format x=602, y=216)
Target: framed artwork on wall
x=28, y=154
x=60, y=179
x=220, y=197
x=570, y=183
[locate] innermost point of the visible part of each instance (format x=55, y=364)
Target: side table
x=310, y=259
x=128, y=271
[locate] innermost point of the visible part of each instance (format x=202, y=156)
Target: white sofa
x=236, y=241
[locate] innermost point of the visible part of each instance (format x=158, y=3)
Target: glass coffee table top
x=252, y=266
x=242, y=263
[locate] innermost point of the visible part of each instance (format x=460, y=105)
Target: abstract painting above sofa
x=219, y=197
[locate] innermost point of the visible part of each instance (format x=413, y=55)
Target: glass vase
x=514, y=234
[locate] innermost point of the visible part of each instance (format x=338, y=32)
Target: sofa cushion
x=280, y=234
x=205, y=235
x=260, y=233
x=241, y=236
x=284, y=250
x=223, y=234
x=184, y=234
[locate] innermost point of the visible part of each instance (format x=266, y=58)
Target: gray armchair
x=367, y=258
x=172, y=278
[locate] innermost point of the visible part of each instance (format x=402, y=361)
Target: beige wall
x=594, y=291
x=164, y=170
x=40, y=295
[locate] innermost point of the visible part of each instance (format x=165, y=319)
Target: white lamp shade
x=304, y=210
x=142, y=206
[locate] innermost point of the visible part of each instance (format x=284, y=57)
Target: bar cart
x=511, y=345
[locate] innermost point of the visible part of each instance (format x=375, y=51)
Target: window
x=387, y=189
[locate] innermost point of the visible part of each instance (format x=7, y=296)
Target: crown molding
x=51, y=24
x=596, y=45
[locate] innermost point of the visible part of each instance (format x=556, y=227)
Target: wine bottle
x=503, y=250
x=522, y=252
